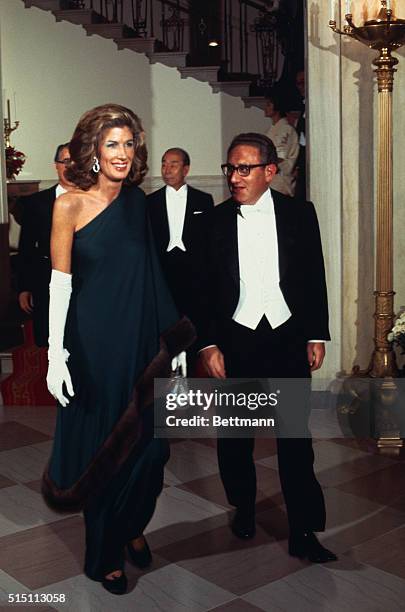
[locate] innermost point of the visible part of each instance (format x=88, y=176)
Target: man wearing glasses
x=266, y=316
x=34, y=264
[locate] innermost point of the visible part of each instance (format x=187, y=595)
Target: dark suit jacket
x=302, y=274
x=34, y=261
x=179, y=266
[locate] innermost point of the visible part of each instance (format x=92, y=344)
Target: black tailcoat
x=301, y=268
x=179, y=266
x=266, y=353
x=34, y=261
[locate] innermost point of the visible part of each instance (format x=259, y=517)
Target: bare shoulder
x=71, y=202
x=67, y=208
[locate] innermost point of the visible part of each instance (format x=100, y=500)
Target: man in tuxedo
x=178, y=215
x=34, y=262
x=266, y=316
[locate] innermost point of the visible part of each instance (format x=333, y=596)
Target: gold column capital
x=385, y=68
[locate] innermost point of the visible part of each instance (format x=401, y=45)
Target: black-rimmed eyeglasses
x=65, y=162
x=241, y=169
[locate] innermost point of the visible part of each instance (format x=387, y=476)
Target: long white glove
x=180, y=363
x=60, y=289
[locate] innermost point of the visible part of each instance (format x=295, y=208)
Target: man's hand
x=25, y=301
x=316, y=354
x=213, y=361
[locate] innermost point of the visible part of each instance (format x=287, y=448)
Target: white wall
x=57, y=73
x=324, y=151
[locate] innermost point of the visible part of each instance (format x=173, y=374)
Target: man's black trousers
x=268, y=353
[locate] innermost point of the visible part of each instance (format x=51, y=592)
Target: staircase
x=242, y=85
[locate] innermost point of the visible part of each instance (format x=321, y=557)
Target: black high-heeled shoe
x=117, y=585
x=141, y=558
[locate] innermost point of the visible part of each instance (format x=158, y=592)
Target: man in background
x=285, y=139
x=34, y=263
x=178, y=216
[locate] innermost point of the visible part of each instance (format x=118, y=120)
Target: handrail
x=255, y=5
x=177, y=6
x=260, y=36
x=252, y=33
x=118, y=8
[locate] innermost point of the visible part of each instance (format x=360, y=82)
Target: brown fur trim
x=125, y=435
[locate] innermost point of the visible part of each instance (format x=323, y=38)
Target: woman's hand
x=58, y=374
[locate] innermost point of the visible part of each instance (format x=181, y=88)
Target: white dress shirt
x=260, y=292
x=59, y=190
x=176, y=201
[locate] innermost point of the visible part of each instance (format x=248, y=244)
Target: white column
x=342, y=156
x=4, y=247
x=358, y=96
x=3, y=191
x=325, y=164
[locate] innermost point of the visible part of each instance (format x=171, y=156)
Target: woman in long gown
x=113, y=328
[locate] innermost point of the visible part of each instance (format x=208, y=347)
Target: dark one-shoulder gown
x=122, y=330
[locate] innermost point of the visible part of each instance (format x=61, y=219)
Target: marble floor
x=198, y=564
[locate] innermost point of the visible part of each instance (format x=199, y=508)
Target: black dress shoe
x=243, y=525
x=141, y=558
x=116, y=586
x=305, y=545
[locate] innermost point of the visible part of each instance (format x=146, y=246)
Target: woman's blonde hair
x=87, y=138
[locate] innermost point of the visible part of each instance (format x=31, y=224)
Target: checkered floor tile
x=198, y=564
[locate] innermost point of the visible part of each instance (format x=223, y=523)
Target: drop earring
x=96, y=165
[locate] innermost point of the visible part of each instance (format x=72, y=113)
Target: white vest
x=260, y=292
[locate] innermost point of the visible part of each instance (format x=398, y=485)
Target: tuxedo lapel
x=47, y=199
x=228, y=241
x=52, y=196
x=45, y=208
x=285, y=237
x=162, y=221
x=191, y=206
